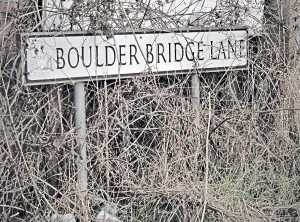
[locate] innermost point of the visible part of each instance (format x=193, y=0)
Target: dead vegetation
x=152, y=155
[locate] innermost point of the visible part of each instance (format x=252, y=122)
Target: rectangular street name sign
x=75, y=56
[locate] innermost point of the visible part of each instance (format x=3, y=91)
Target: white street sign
x=70, y=57
x=167, y=14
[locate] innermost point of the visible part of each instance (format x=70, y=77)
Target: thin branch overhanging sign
x=70, y=57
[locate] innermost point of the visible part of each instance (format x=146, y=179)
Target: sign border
x=26, y=81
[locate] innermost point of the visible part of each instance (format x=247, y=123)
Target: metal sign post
x=80, y=124
x=195, y=88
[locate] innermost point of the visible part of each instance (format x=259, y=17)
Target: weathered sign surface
x=157, y=14
x=67, y=57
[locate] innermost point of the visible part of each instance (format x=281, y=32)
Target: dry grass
x=147, y=144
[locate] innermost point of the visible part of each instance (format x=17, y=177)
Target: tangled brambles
x=153, y=155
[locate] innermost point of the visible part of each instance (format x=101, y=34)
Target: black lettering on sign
x=77, y=57
x=176, y=50
x=149, y=52
x=160, y=52
x=241, y=48
x=133, y=54
x=200, y=51
x=60, y=58
x=188, y=46
x=170, y=52
x=106, y=53
x=97, y=58
x=82, y=50
x=222, y=51
x=121, y=55
x=212, y=50
x=231, y=49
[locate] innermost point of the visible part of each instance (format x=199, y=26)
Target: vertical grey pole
x=80, y=124
x=195, y=88
x=195, y=85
